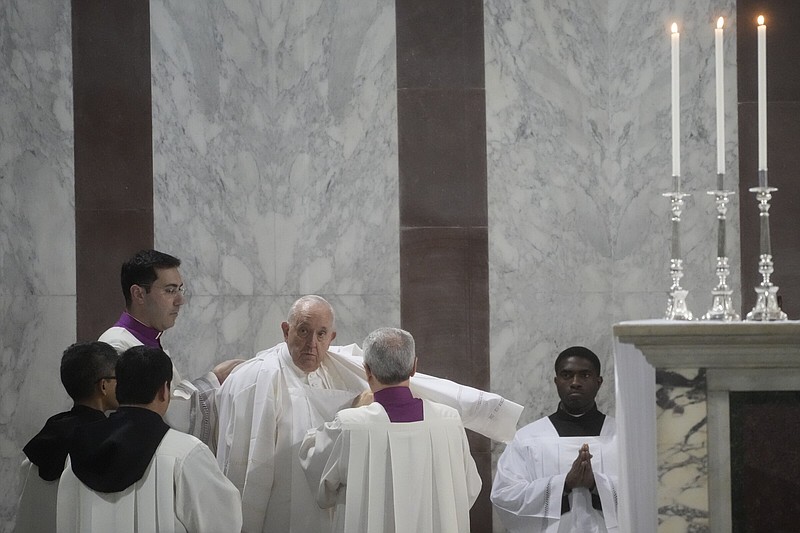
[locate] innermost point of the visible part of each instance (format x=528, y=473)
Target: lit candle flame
x=675, y=27
x=720, y=22
x=760, y=20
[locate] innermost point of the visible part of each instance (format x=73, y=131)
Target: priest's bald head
x=308, y=331
x=389, y=358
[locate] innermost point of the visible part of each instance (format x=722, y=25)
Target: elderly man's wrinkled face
x=309, y=336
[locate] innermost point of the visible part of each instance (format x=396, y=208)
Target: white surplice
x=192, y=406
x=266, y=406
x=385, y=477
x=529, y=483
x=182, y=490
x=37, y=503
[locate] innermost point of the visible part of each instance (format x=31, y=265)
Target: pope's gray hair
x=309, y=299
x=389, y=354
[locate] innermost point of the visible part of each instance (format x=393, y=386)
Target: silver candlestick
x=721, y=306
x=766, y=308
x=676, y=303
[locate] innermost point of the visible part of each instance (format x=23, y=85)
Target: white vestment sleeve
x=524, y=498
x=192, y=408
x=205, y=500
x=323, y=463
x=484, y=412
x=37, y=502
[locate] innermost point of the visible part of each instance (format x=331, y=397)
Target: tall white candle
x=762, y=94
x=676, y=102
x=720, y=78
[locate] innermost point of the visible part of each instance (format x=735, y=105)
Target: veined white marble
x=579, y=152
x=37, y=229
x=275, y=156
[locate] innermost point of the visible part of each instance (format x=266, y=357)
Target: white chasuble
x=267, y=404
x=529, y=484
x=385, y=477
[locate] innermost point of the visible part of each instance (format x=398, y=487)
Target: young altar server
x=559, y=474
x=87, y=373
x=132, y=473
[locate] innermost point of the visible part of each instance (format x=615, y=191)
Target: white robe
x=385, y=477
x=182, y=490
x=266, y=406
x=530, y=477
x=36, y=512
x=192, y=408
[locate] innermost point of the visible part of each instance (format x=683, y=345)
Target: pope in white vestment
x=268, y=403
x=385, y=477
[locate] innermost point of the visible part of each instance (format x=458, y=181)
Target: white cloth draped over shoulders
x=385, y=477
x=37, y=503
x=531, y=472
x=266, y=406
x=182, y=490
x=192, y=407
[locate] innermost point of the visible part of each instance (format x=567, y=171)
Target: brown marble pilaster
x=444, y=289
x=782, y=18
x=113, y=151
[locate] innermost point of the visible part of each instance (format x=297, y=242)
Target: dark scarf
x=48, y=449
x=113, y=454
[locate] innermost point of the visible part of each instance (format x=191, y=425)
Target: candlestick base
x=767, y=308
x=676, y=306
x=722, y=307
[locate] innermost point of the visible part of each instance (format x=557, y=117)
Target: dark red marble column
x=113, y=151
x=782, y=18
x=444, y=288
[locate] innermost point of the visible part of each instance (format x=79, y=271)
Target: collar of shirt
x=400, y=404
x=145, y=334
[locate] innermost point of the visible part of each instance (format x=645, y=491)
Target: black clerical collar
x=588, y=424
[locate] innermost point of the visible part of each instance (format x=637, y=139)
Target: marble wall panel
x=275, y=162
x=37, y=230
x=578, y=150
x=682, y=450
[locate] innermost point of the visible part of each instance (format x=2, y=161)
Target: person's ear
x=285, y=328
x=368, y=371
x=333, y=335
x=414, y=368
x=163, y=393
x=599, y=381
x=137, y=293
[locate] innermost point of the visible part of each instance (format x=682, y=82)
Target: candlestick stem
x=676, y=301
x=722, y=305
x=766, y=308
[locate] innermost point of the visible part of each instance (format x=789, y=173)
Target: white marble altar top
x=710, y=344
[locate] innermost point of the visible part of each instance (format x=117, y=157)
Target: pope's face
x=309, y=336
x=577, y=382
x=163, y=300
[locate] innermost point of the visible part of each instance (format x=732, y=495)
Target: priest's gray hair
x=309, y=299
x=389, y=354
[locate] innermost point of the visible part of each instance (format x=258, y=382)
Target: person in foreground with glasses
x=88, y=375
x=154, y=293
x=131, y=472
x=559, y=474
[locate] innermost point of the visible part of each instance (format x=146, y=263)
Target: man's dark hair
x=141, y=270
x=581, y=352
x=141, y=372
x=83, y=364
